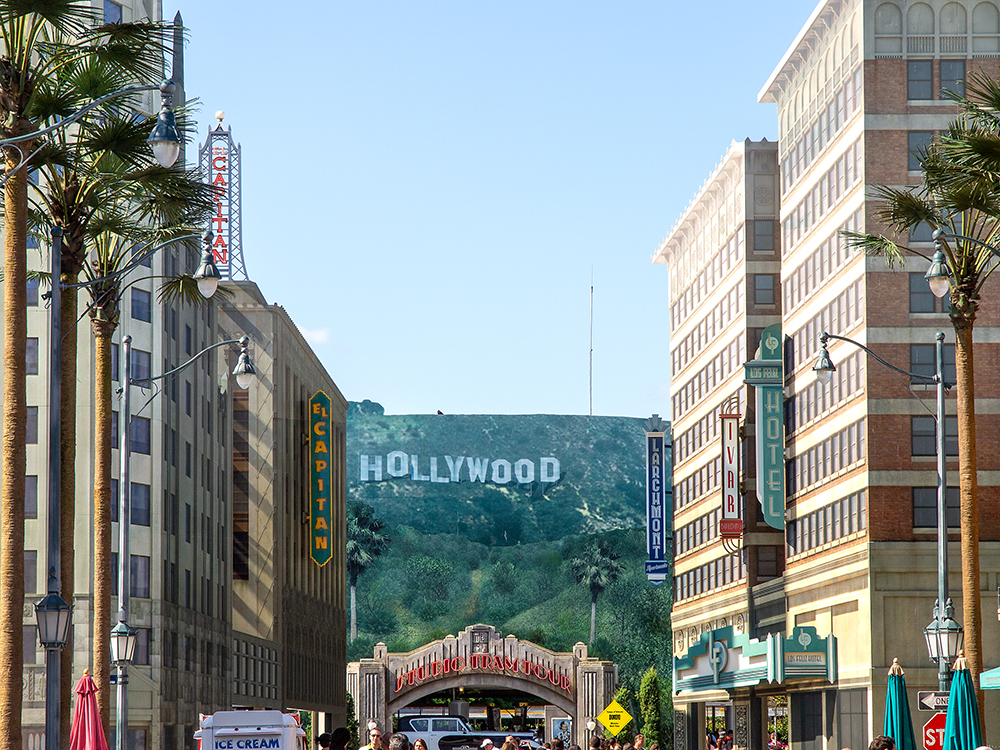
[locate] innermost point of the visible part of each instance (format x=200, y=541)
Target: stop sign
x=934, y=732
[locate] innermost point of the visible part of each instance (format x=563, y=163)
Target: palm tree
x=97, y=176
x=960, y=195
x=365, y=542
x=24, y=26
x=597, y=568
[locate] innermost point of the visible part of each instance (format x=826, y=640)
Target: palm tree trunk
x=969, y=504
x=13, y=452
x=103, y=331
x=593, y=619
x=354, y=612
x=67, y=457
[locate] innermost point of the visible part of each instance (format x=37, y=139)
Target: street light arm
x=147, y=381
x=923, y=378
x=134, y=263
x=973, y=240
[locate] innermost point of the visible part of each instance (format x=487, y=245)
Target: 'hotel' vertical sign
x=659, y=477
x=766, y=375
x=320, y=480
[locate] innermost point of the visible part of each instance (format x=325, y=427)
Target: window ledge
x=930, y=103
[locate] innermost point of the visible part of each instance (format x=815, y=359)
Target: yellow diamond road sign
x=614, y=717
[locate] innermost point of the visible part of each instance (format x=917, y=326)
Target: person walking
x=374, y=737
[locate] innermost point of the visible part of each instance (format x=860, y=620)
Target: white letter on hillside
x=549, y=469
x=524, y=471
x=397, y=464
x=501, y=471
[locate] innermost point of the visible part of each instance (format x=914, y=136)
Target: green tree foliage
x=649, y=704
x=624, y=697
x=597, y=568
x=352, y=724
x=365, y=542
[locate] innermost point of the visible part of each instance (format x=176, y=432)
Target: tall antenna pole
x=591, y=340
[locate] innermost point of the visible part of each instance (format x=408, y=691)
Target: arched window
x=920, y=20
x=954, y=29
x=953, y=19
x=920, y=29
x=888, y=29
x=985, y=29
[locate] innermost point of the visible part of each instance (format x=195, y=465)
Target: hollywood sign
x=402, y=465
x=483, y=662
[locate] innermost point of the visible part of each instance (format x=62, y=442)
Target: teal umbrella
x=962, y=728
x=898, y=723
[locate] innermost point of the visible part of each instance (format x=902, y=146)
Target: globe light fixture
x=938, y=275
x=207, y=275
x=244, y=370
x=591, y=725
x=165, y=139
x=824, y=367
x=944, y=635
x=53, y=616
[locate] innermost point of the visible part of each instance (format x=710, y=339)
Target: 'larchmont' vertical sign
x=659, y=477
x=320, y=480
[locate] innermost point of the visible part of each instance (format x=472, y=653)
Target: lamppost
x=944, y=634
x=53, y=613
x=123, y=636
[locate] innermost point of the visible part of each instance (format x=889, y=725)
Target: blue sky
x=428, y=185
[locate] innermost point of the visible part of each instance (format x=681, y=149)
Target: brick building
x=819, y=616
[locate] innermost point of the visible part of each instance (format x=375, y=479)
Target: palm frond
x=184, y=289
x=878, y=246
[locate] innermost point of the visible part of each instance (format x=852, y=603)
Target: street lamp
x=591, y=725
x=123, y=635
x=943, y=634
x=53, y=613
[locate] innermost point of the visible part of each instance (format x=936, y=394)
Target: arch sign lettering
x=484, y=662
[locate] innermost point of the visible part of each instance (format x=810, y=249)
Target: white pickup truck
x=454, y=733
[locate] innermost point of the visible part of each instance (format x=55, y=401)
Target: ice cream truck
x=250, y=730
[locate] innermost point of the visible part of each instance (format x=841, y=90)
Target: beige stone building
x=819, y=615
x=229, y=608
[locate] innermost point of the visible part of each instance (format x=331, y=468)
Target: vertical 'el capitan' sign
x=320, y=480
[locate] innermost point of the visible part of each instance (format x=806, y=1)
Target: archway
x=577, y=685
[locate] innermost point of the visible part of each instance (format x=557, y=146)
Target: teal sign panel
x=767, y=376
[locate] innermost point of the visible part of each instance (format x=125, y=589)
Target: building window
x=767, y=562
x=924, y=436
x=139, y=504
x=141, y=647
x=952, y=77
x=187, y=589
x=763, y=289
x=923, y=361
x=114, y=574
x=922, y=299
x=187, y=459
x=114, y=429
x=917, y=143
x=187, y=339
x=888, y=30
x=31, y=427
x=187, y=398
x=142, y=303
x=114, y=362
x=187, y=653
x=31, y=356
x=31, y=571
x=922, y=232
x=32, y=292
x=985, y=28
x=187, y=522
x=918, y=79
x=140, y=435
x=29, y=639
x=112, y=12
x=142, y=365
x=139, y=571
x=115, y=500
x=31, y=496
x=763, y=237
x=925, y=507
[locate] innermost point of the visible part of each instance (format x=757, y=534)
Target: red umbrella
x=87, y=733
